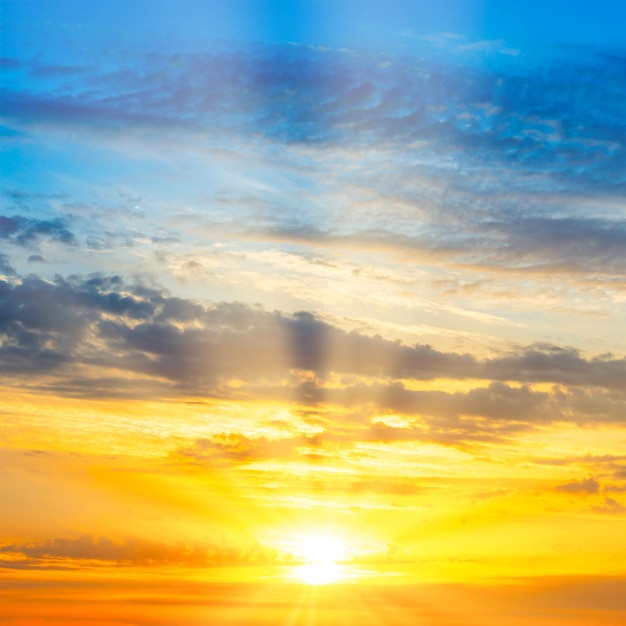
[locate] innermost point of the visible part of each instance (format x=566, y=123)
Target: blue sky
x=472, y=141
x=324, y=22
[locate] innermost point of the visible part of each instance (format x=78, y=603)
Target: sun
x=322, y=549
x=322, y=555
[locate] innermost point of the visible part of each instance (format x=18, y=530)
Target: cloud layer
x=102, y=321
x=100, y=337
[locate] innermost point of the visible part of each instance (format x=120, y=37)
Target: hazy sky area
x=312, y=312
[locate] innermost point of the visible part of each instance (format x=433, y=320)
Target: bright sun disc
x=322, y=554
x=322, y=549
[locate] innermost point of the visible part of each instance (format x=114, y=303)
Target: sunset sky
x=312, y=312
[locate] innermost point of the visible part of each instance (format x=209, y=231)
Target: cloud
x=64, y=553
x=610, y=507
x=5, y=266
x=25, y=231
x=613, y=465
x=614, y=488
x=461, y=433
x=99, y=337
x=175, y=346
x=36, y=258
x=546, y=362
x=586, y=486
x=555, y=243
x=469, y=101
x=236, y=447
x=480, y=163
x=386, y=486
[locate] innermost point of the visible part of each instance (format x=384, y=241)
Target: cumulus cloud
x=174, y=346
x=558, y=364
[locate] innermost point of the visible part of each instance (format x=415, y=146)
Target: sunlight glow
x=322, y=549
x=320, y=573
x=322, y=554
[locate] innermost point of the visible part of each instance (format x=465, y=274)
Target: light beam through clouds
x=312, y=312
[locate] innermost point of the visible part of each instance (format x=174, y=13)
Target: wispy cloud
x=64, y=553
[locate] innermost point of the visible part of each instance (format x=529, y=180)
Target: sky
x=312, y=312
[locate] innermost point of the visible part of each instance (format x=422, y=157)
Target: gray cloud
x=103, y=322
x=488, y=240
x=25, y=231
x=546, y=362
x=36, y=258
x=5, y=266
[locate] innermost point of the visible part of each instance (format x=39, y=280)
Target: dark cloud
x=585, y=486
x=178, y=346
x=43, y=325
x=497, y=401
x=36, y=258
x=546, y=362
x=25, y=231
x=5, y=266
